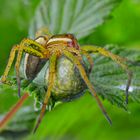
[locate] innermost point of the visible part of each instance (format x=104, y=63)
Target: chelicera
x=52, y=47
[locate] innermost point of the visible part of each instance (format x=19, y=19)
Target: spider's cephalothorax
x=51, y=48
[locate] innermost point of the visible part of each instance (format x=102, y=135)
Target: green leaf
x=110, y=80
x=79, y=17
x=82, y=119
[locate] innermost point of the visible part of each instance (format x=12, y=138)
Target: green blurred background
x=122, y=28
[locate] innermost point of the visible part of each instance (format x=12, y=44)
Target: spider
x=52, y=47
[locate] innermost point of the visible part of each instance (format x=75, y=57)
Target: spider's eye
x=42, y=40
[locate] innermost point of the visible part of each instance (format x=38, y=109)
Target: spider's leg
x=12, y=56
x=31, y=47
x=10, y=61
x=119, y=60
x=88, y=83
x=17, y=65
x=89, y=59
x=75, y=51
x=52, y=70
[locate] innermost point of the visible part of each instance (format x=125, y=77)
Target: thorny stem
x=13, y=110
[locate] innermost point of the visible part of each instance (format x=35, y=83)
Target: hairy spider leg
x=28, y=46
x=89, y=58
x=10, y=61
x=88, y=83
x=52, y=70
x=119, y=60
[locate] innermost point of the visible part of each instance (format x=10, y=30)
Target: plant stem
x=13, y=110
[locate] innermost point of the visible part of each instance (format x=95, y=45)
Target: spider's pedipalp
x=52, y=71
x=119, y=60
x=88, y=83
